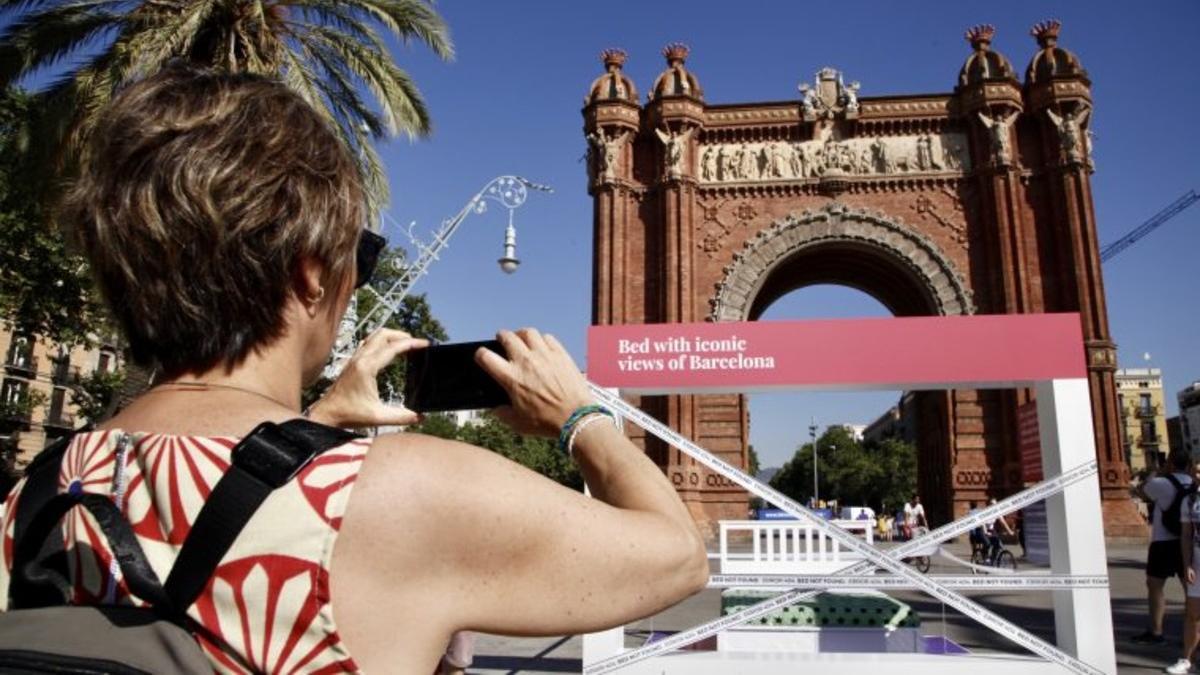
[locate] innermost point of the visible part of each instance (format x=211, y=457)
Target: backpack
x=1171, y=516
x=42, y=633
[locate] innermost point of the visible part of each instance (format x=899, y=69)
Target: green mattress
x=833, y=610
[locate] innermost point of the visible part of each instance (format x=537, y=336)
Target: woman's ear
x=308, y=285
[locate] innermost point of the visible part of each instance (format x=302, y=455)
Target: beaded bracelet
x=582, y=411
x=583, y=424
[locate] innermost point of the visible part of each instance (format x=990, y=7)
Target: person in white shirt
x=914, y=516
x=1189, y=516
x=1163, y=559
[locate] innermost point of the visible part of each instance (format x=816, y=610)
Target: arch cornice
x=836, y=223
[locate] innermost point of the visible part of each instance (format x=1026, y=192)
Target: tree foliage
x=45, y=289
x=331, y=53
x=878, y=475
x=414, y=317
x=94, y=393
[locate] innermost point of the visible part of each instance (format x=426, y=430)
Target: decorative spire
x=676, y=53
x=613, y=59
x=1046, y=32
x=980, y=36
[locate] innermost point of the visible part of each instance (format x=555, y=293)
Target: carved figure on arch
x=675, y=143
x=883, y=159
x=1070, y=132
x=811, y=102
x=925, y=160
x=605, y=150
x=850, y=94
x=710, y=158
x=998, y=126
x=865, y=163
x=729, y=163
x=746, y=162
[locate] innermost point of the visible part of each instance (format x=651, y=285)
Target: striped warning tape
x=826, y=581
x=890, y=561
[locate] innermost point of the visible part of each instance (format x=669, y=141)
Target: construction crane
x=509, y=191
x=1173, y=209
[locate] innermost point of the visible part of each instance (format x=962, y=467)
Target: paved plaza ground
x=1030, y=610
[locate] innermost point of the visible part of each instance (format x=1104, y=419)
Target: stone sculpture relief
x=604, y=154
x=676, y=144
x=1071, y=137
x=780, y=160
x=998, y=127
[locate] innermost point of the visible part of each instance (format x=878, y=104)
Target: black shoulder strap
x=41, y=486
x=266, y=459
x=1175, y=482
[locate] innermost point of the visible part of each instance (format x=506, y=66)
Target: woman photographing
x=224, y=222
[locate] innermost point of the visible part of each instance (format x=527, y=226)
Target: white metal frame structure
x=1078, y=578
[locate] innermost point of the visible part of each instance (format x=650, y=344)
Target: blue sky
x=510, y=103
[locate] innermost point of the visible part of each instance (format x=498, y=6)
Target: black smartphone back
x=446, y=377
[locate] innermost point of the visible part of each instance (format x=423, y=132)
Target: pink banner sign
x=944, y=352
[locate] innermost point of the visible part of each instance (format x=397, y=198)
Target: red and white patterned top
x=268, y=601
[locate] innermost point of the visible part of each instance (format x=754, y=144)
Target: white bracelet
x=580, y=426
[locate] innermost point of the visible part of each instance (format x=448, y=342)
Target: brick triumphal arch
x=973, y=201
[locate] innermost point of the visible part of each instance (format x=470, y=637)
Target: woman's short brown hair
x=196, y=200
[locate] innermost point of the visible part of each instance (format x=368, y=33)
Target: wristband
x=583, y=424
x=582, y=411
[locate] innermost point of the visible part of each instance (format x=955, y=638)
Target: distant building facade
x=1189, y=418
x=899, y=421
x=1174, y=435
x=1143, y=417
x=36, y=383
x=855, y=430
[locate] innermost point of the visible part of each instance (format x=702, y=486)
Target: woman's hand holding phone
x=352, y=401
x=542, y=381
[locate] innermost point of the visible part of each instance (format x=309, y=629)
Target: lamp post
x=812, y=432
x=508, y=191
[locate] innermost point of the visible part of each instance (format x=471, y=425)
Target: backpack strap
x=266, y=459
x=41, y=486
x=33, y=582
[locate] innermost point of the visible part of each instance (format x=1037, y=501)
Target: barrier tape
x=823, y=581
x=890, y=561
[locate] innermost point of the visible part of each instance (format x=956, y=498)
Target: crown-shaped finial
x=1046, y=32
x=613, y=58
x=676, y=52
x=980, y=36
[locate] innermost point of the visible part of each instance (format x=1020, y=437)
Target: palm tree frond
x=45, y=38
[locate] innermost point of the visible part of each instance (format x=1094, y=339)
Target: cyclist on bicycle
x=976, y=536
x=993, y=537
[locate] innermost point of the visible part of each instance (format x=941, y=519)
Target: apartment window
x=1149, y=435
x=105, y=359
x=12, y=391
x=1144, y=402
x=57, y=402
x=20, y=351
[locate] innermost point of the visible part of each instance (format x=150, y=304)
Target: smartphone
x=446, y=377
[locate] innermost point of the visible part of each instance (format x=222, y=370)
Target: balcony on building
x=21, y=364
x=1146, y=411
x=59, y=420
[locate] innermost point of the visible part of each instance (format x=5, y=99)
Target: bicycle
x=922, y=560
x=1005, y=560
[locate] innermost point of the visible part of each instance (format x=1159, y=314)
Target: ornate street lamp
x=508, y=191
